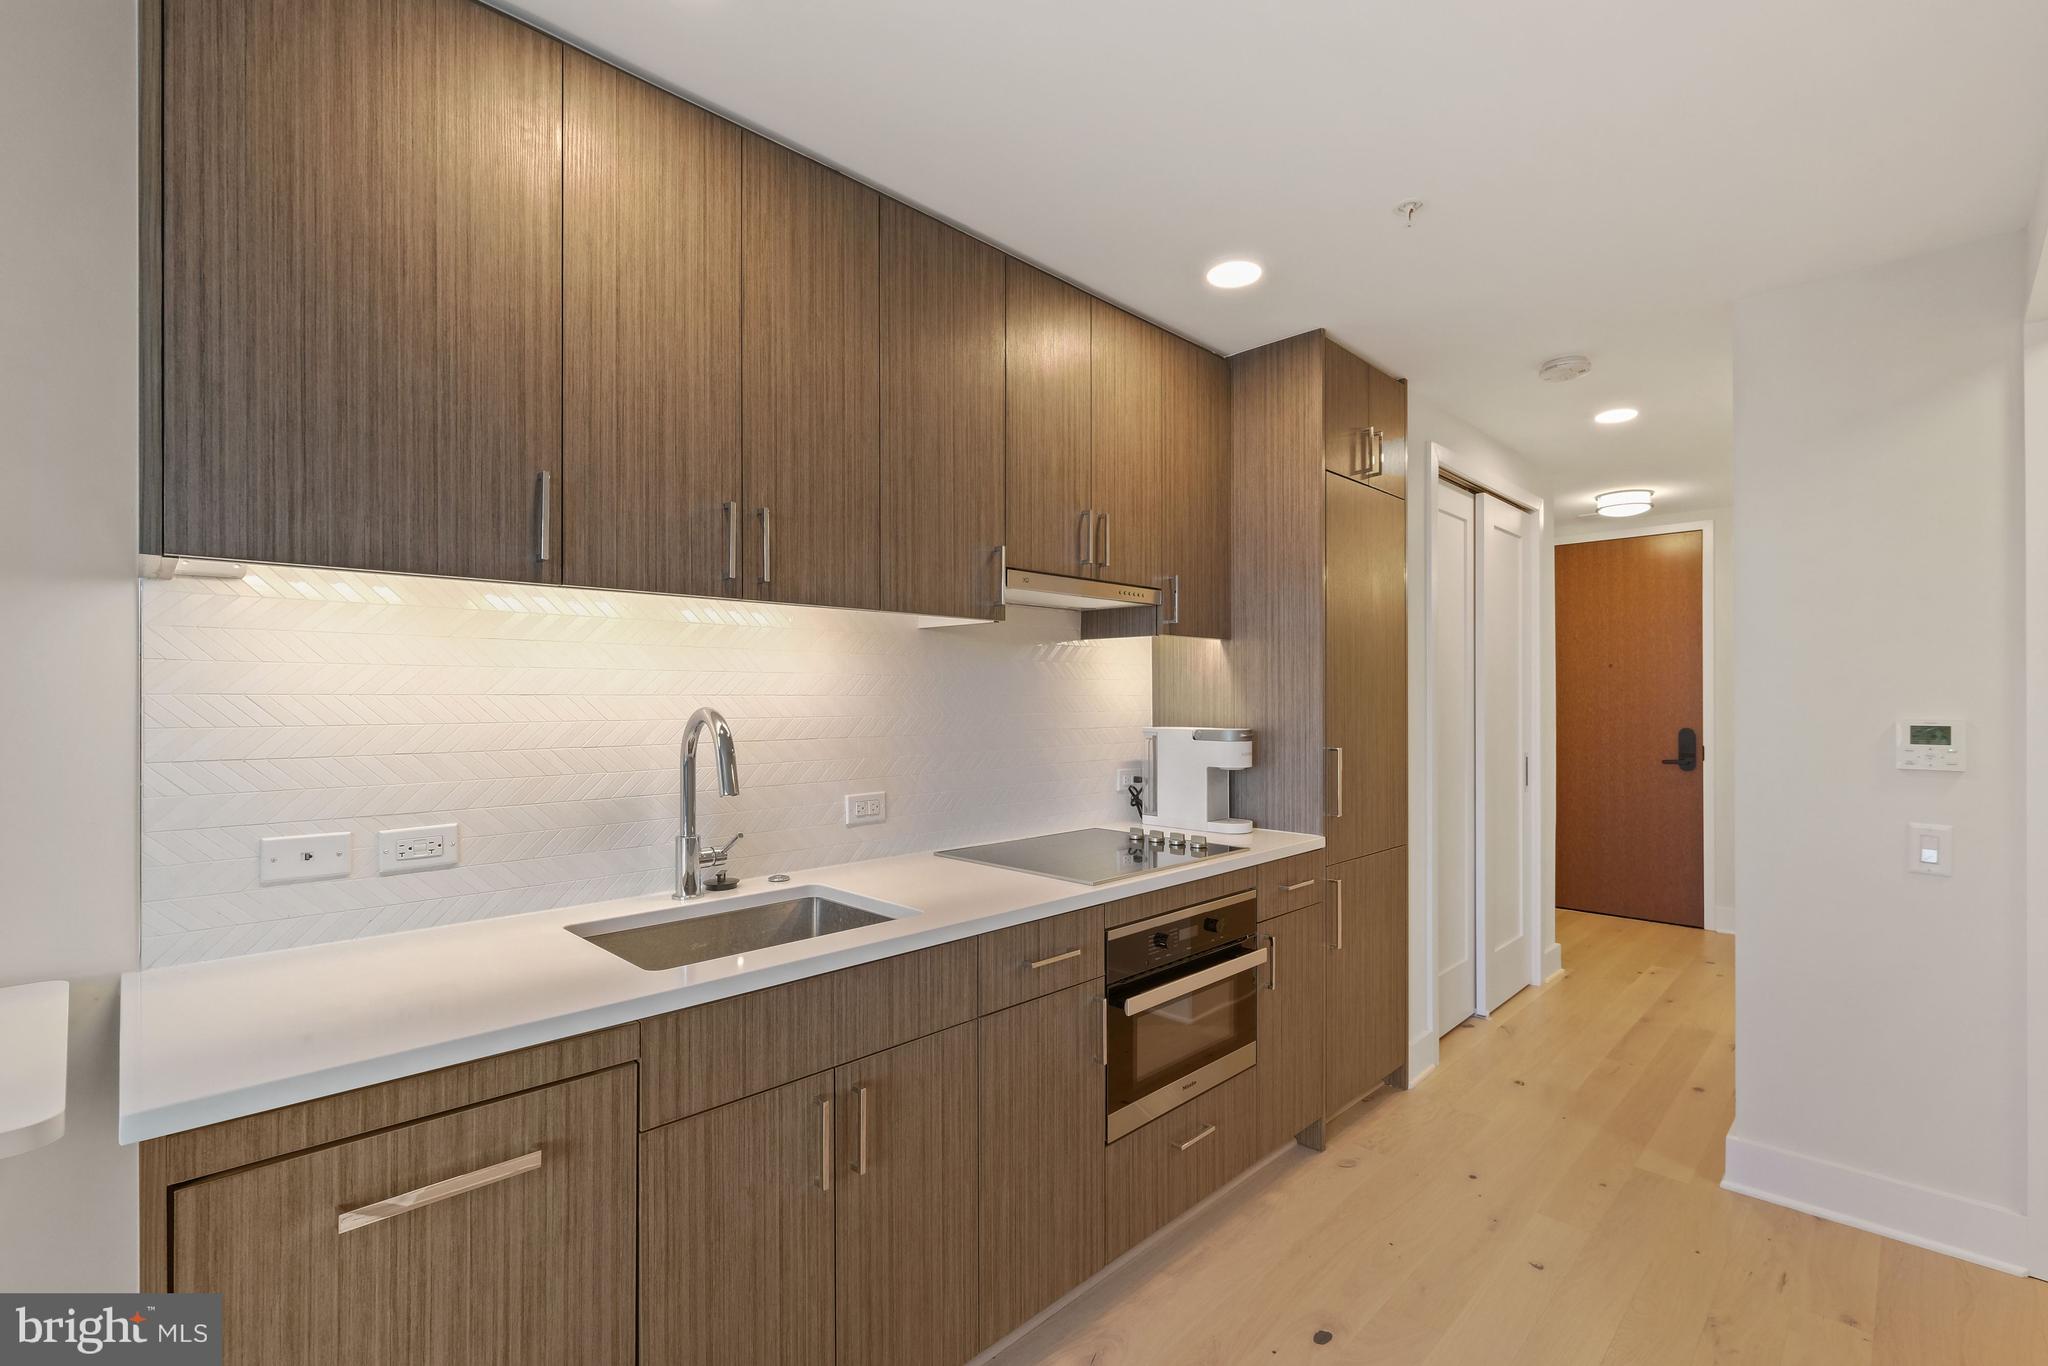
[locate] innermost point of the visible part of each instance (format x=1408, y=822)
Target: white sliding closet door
x=1503, y=565
x=1452, y=549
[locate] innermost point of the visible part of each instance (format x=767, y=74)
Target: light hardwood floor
x=1549, y=1195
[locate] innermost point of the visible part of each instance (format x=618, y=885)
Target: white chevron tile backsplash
x=545, y=722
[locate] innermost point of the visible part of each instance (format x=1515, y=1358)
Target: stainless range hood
x=1030, y=588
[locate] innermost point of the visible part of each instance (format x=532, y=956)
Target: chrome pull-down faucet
x=691, y=856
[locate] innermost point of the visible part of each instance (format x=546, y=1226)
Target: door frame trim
x=1426, y=467
x=1713, y=916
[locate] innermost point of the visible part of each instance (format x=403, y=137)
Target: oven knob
x=1211, y=925
x=1159, y=939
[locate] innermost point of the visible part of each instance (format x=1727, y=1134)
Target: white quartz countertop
x=205, y=1042
x=35, y=1020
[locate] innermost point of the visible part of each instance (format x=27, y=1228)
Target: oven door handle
x=1194, y=981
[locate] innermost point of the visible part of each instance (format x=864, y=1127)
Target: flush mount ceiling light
x=1622, y=503
x=1558, y=369
x=1235, y=274
x=1615, y=415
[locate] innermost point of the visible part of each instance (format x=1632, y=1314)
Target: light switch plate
x=867, y=808
x=302, y=858
x=1930, y=850
x=418, y=848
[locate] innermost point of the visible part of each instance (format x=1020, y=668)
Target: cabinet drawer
x=503, y=1233
x=1167, y=899
x=1289, y=884
x=1180, y=1159
x=713, y=1054
x=1028, y=961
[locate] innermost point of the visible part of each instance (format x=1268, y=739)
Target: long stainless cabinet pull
x=1357, y=448
x=1339, y=812
x=1088, y=536
x=439, y=1191
x=1272, y=962
x=1302, y=885
x=1207, y=1129
x=541, y=520
x=824, y=1143
x=1378, y=450
x=732, y=540
x=1180, y=987
x=1104, y=1059
x=1037, y=963
x=1173, y=620
x=860, y=1151
x=767, y=544
x=1337, y=909
x=1102, y=523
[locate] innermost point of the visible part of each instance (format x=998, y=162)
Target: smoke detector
x=1559, y=369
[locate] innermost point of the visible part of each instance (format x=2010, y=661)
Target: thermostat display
x=1935, y=746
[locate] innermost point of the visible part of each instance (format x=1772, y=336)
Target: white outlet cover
x=867, y=808
x=302, y=858
x=418, y=848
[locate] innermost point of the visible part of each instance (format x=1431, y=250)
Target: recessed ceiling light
x=1235, y=274
x=1622, y=503
x=1614, y=415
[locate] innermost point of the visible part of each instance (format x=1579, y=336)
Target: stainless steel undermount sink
x=698, y=938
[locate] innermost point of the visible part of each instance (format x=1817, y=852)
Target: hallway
x=1548, y=1196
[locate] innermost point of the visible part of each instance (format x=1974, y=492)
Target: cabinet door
x=1041, y=1153
x=1195, y=491
x=808, y=377
x=1366, y=905
x=1153, y=1176
x=1128, y=397
x=1389, y=468
x=942, y=417
x=1365, y=662
x=1347, y=412
x=651, y=325
x=362, y=285
x=907, y=1205
x=736, y=1250
x=501, y=1256
x=1049, y=481
x=1293, y=1010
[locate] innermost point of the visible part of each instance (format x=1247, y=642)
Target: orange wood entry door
x=1629, y=808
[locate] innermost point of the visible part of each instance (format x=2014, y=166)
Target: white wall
x=1483, y=459
x=67, y=605
x=1881, y=1016
x=1720, y=745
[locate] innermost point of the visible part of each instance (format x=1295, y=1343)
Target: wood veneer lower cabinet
x=1041, y=1153
x=907, y=1156
x=1177, y=1161
x=529, y=1263
x=1294, y=1008
x=1366, y=902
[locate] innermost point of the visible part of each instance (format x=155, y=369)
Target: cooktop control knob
x=1211, y=925
x=1159, y=939
x=1198, y=844
x=1176, y=841
x=1157, y=838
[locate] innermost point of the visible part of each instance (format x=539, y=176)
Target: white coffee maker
x=1191, y=768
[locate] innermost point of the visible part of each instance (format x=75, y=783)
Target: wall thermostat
x=1936, y=746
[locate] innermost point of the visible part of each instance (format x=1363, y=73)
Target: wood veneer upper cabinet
x=1048, y=416
x=1390, y=423
x=651, y=325
x=1365, y=662
x=1041, y=1153
x=362, y=284
x=942, y=307
x=1133, y=506
x=1195, y=491
x=736, y=1249
x=907, y=1191
x=809, y=352
x=1365, y=421
x=1366, y=905
x=529, y=1266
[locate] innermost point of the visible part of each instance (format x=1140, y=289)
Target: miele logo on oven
x=169, y=1330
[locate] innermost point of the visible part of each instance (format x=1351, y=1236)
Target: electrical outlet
x=418, y=848
x=1124, y=778
x=301, y=858
x=867, y=808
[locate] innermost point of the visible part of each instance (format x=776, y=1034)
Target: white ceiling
x=1601, y=176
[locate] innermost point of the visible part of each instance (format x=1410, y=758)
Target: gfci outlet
x=867, y=808
x=417, y=849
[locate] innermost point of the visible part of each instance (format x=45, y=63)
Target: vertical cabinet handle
x=1172, y=596
x=860, y=1147
x=1088, y=536
x=1357, y=451
x=1376, y=449
x=1338, y=812
x=1272, y=962
x=732, y=541
x=1337, y=911
x=543, y=516
x=824, y=1143
x=1103, y=1002
x=1102, y=525
x=767, y=544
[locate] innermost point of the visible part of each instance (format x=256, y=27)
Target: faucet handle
x=716, y=855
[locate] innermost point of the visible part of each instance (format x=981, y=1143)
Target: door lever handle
x=1688, y=751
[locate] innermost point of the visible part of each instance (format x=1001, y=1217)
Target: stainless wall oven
x=1183, y=1006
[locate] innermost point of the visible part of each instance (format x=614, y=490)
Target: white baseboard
x=1721, y=919
x=1954, y=1225
x=1553, y=961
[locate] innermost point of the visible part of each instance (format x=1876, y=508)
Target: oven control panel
x=1153, y=945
